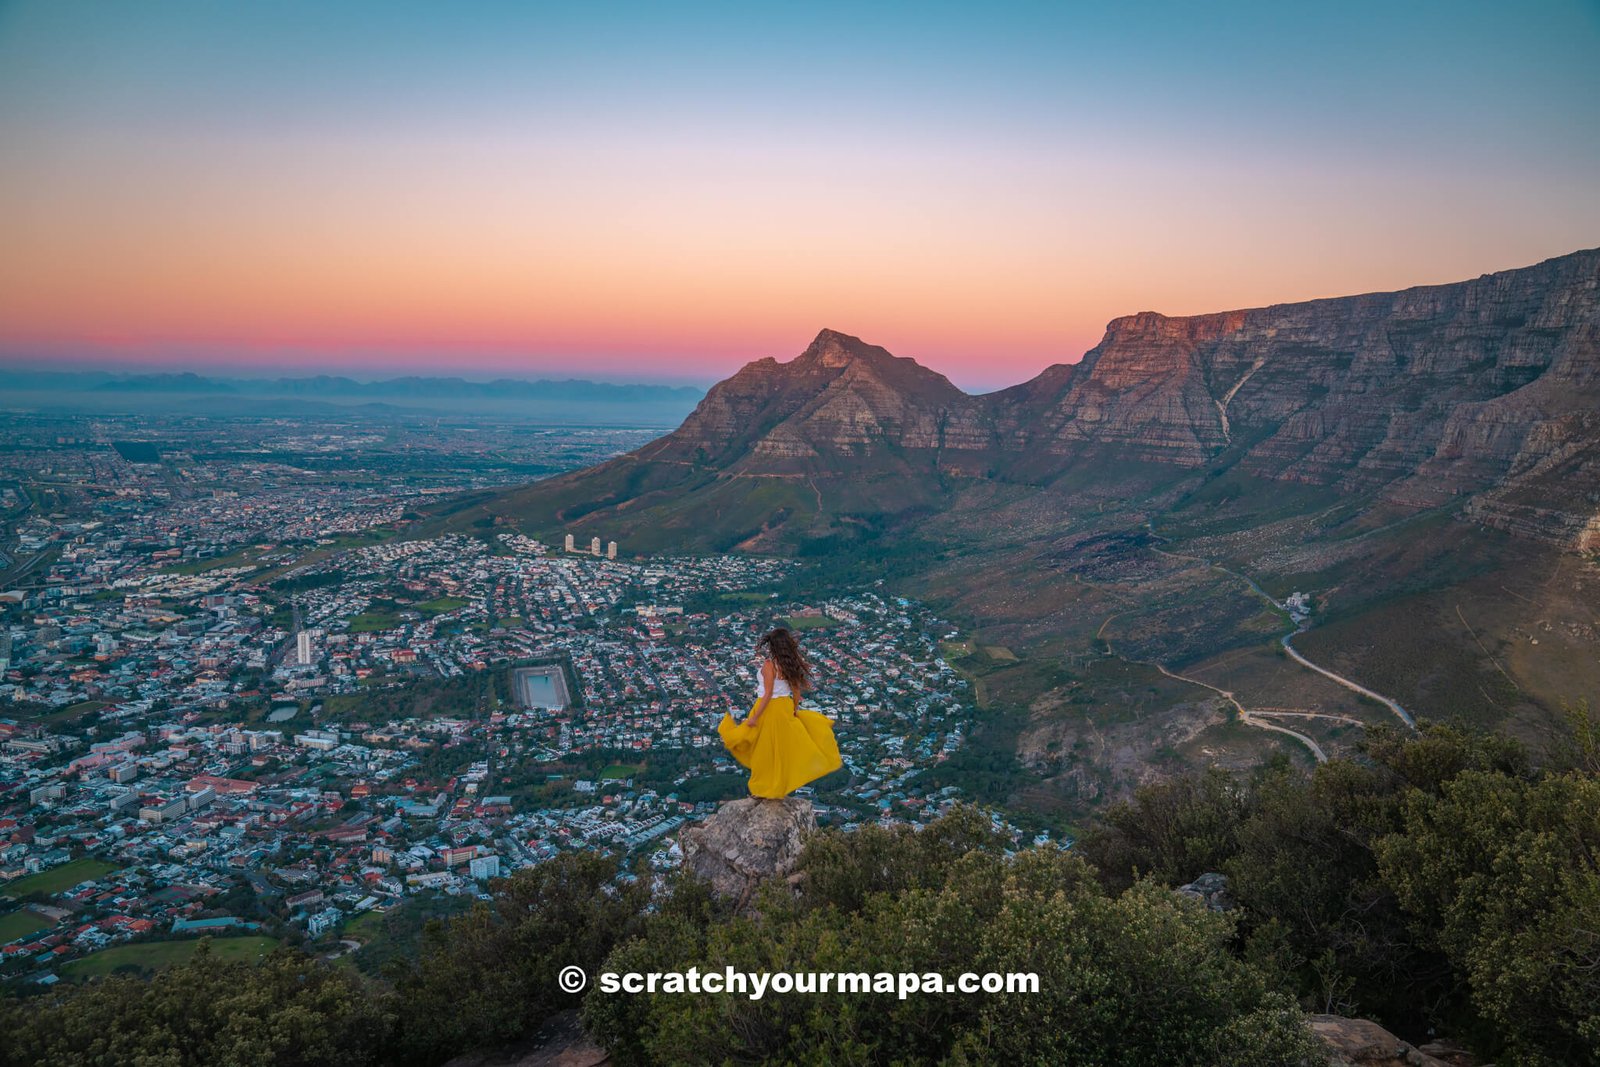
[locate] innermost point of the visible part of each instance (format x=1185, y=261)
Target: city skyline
x=664, y=195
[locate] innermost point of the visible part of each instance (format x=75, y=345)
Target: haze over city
x=662, y=193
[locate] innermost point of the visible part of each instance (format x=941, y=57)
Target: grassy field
x=243, y=557
x=20, y=924
x=342, y=704
x=364, y=927
x=618, y=771
x=70, y=713
x=369, y=621
x=58, y=878
x=153, y=955
x=996, y=672
x=808, y=622
x=376, y=535
x=440, y=605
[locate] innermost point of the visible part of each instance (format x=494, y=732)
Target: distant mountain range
x=572, y=399
x=1487, y=390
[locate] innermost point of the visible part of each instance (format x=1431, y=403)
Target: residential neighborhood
x=208, y=733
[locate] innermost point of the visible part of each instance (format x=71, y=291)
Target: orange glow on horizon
x=660, y=252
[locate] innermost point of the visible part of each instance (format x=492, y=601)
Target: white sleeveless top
x=780, y=686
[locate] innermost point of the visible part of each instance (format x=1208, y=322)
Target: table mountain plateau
x=1488, y=388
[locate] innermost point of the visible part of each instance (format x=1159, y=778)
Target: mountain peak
x=1478, y=392
x=834, y=349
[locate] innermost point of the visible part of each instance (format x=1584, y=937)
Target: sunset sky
x=665, y=191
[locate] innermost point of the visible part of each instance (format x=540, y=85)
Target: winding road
x=1260, y=717
x=1355, y=687
x=1246, y=716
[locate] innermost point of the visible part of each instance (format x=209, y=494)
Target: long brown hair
x=787, y=657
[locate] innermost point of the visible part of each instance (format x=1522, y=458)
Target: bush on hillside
x=1439, y=881
x=1140, y=977
x=288, y=1010
x=488, y=976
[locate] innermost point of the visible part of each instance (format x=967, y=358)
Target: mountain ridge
x=328, y=384
x=1466, y=389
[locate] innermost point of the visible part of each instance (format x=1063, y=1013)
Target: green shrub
x=1441, y=882
x=488, y=976
x=1173, y=830
x=289, y=1010
x=1142, y=977
x=1502, y=875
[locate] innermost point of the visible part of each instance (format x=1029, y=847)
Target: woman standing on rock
x=784, y=745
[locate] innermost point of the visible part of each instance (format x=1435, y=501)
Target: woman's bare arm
x=767, y=674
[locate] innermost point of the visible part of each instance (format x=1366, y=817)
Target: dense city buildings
x=271, y=711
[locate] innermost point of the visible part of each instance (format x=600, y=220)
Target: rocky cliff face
x=1486, y=391
x=1428, y=392
x=1489, y=388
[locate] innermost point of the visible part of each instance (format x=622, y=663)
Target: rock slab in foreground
x=1363, y=1043
x=746, y=842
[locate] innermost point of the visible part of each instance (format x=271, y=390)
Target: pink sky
x=336, y=202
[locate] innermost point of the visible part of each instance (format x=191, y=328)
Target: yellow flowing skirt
x=785, y=749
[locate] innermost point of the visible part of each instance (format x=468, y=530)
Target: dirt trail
x=1355, y=687
x=1260, y=718
x=1246, y=716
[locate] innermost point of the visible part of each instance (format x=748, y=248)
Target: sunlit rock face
x=1427, y=392
x=841, y=396
x=1485, y=391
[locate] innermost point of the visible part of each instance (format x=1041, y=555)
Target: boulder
x=1363, y=1043
x=746, y=842
x=1210, y=889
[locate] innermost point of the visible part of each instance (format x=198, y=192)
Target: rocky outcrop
x=1210, y=889
x=1363, y=1043
x=747, y=842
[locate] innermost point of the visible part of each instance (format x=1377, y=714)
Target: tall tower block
x=571, y=546
x=611, y=550
x=594, y=546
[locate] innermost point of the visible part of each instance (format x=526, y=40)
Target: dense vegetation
x=1438, y=882
x=1141, y=977
x=1441, y=883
